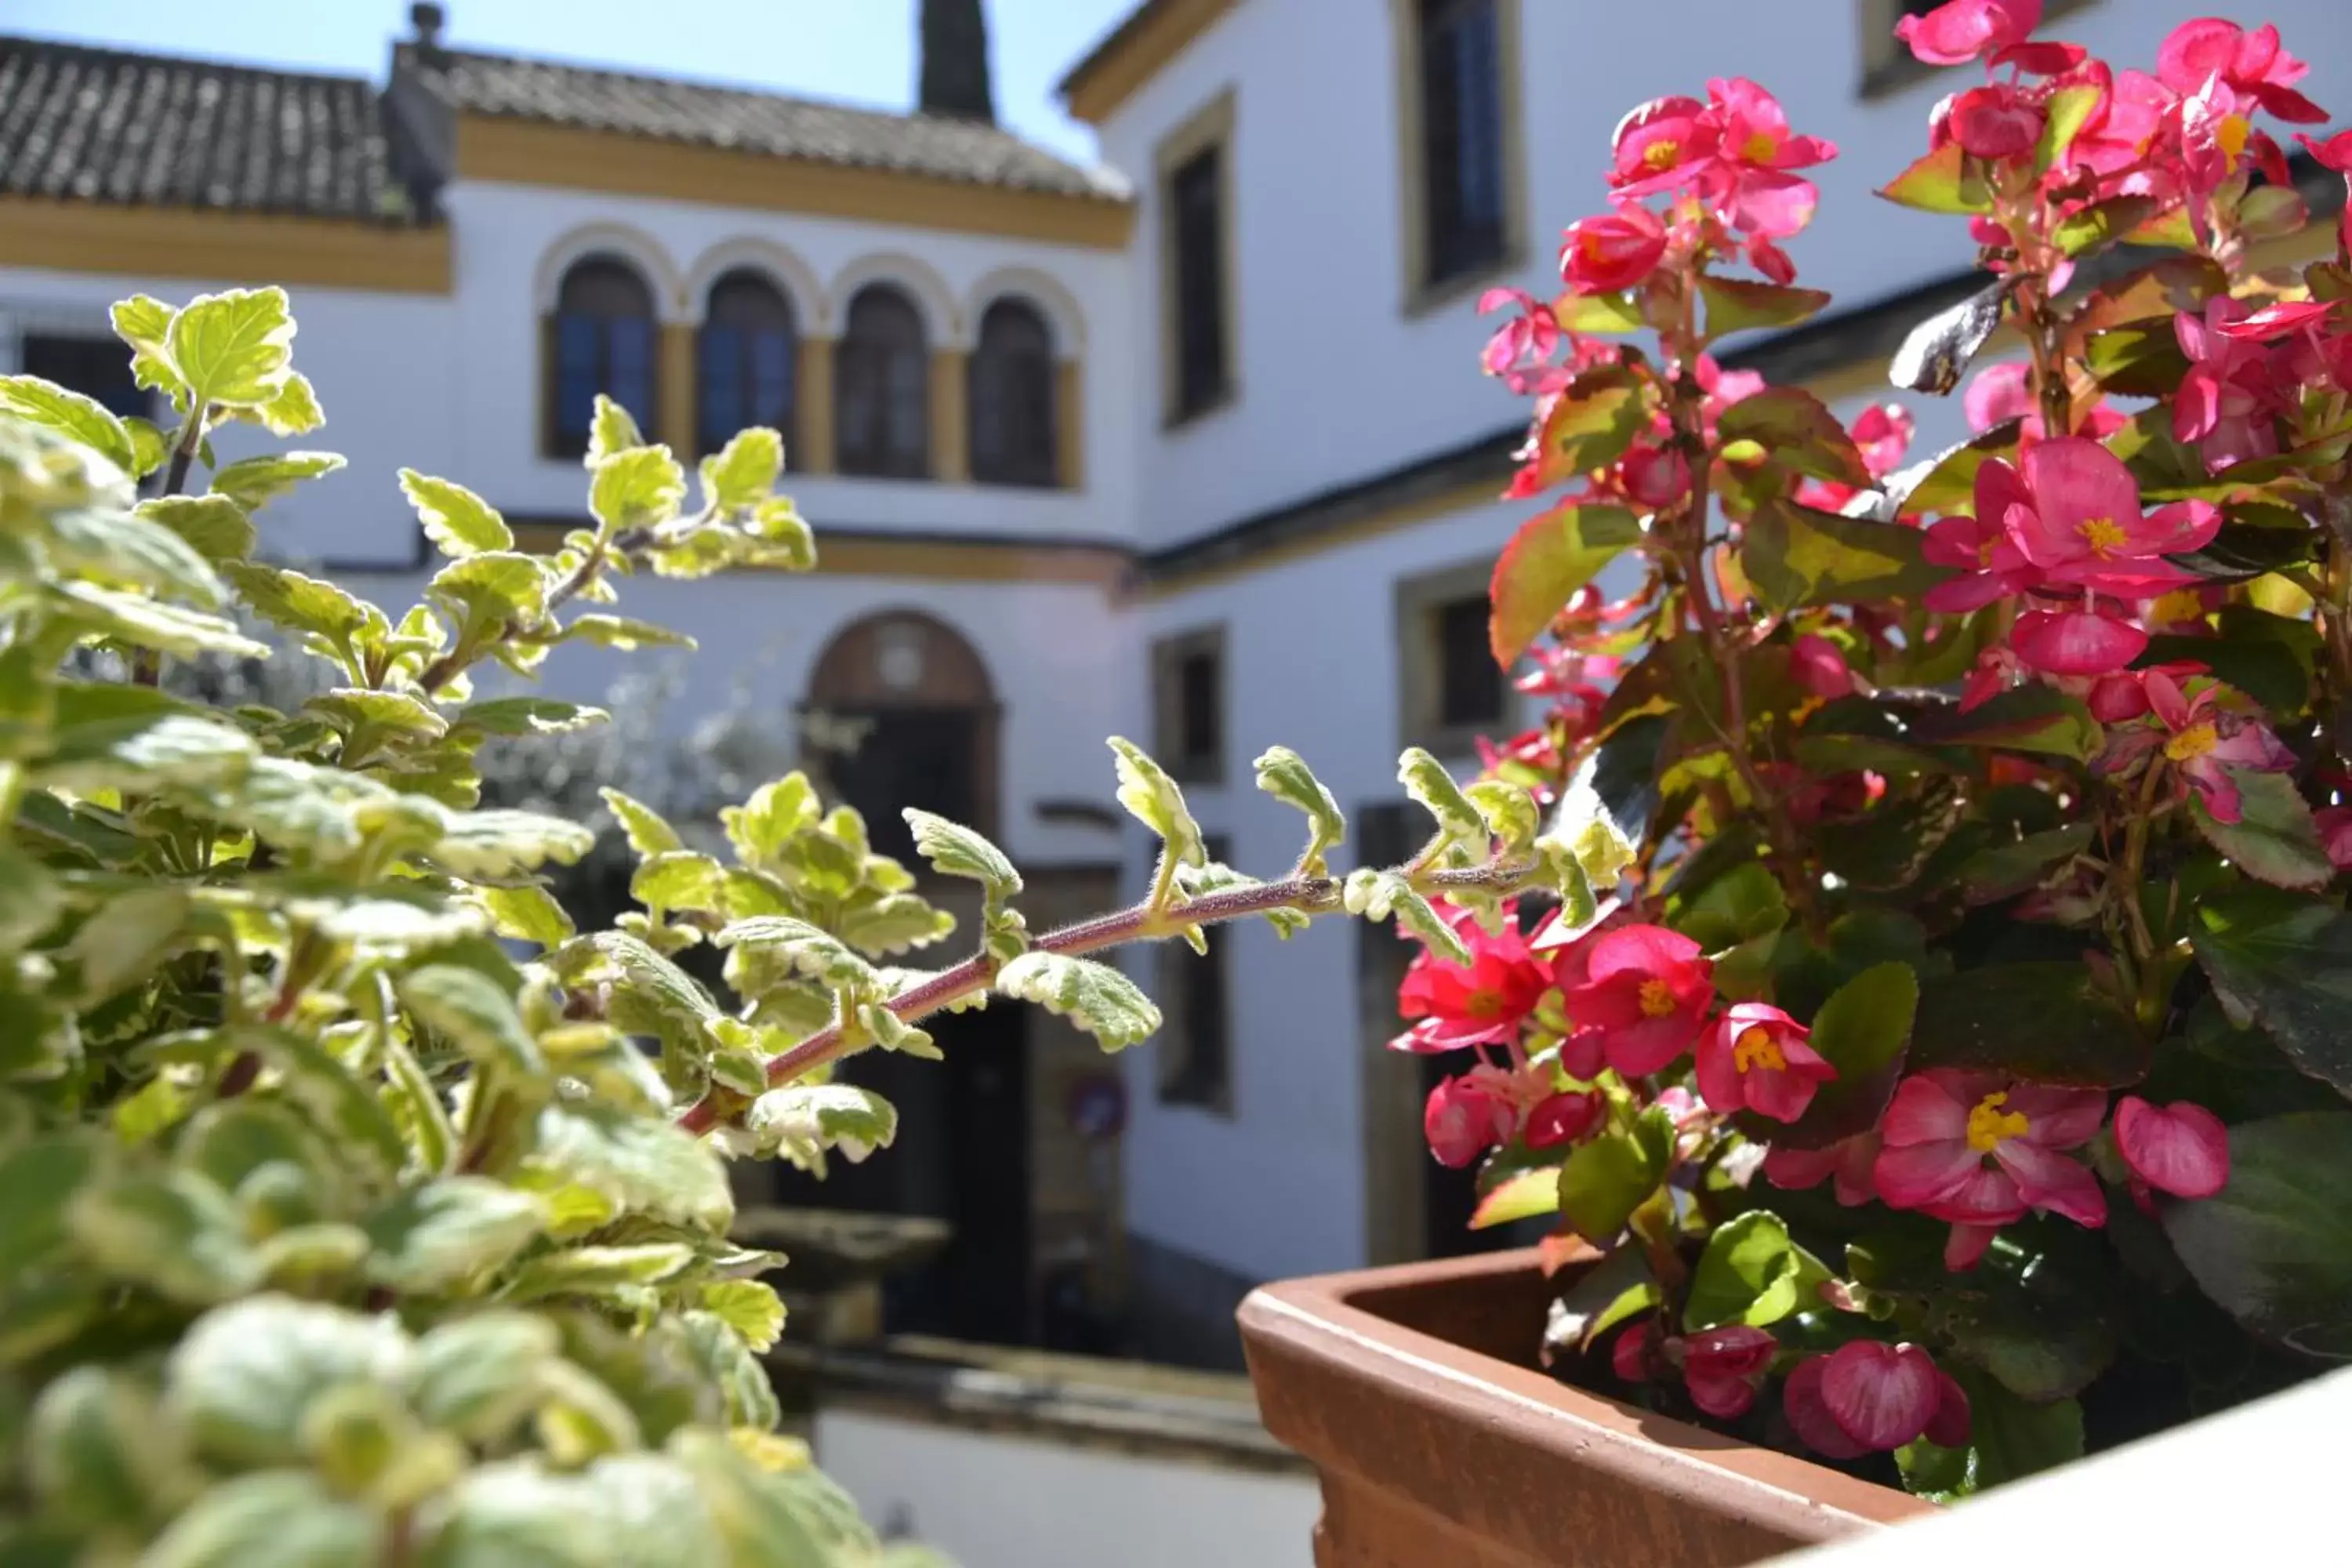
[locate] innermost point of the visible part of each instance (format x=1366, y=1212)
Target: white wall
x=1334, y=382
x=991, y=1500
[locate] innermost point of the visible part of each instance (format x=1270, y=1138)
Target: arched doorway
x=901, y=712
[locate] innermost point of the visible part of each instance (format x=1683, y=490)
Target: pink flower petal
x=2076, y=481
x=1949, y=1427
x=1965, y=1245
x=1927, y=1109
x=1646, y=948
x=2058, y=1118
x=2075, y=642
x=1802, y=1401
x=1914, y=1176
x=2053, y=1181
x=2182, y=1148
x=1882, y=1395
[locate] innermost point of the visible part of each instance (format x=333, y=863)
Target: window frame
x=1210, y=129
x=787, y=422
x=1176, y=969
x=1425, y=291
x=1421, y=600
x=1038, y=469
x=1170, y=655
x=555, y=442
x=925, y=457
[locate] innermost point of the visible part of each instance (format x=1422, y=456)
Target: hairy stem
x=454, y=663
x=147, y=664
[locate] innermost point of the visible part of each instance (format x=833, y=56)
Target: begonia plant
x=1958, y=1054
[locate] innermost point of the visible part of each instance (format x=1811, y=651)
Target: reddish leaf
x=1553, y=555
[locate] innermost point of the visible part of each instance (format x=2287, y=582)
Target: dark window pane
x=1195, y=195
x=97, y=367
x=1461, y=135
x=922, y=757
x=1196, y=1001
x=1201, y=721
x=604, y=341
x=882, y=389
x=745, y=361
x=1470, y=684
x=1012, y=435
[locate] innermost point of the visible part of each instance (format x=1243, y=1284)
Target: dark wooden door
x=922, y=757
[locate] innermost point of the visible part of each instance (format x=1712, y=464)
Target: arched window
x=1012, y=435
x=882, y=418
x=601, y=339
x=743, y=359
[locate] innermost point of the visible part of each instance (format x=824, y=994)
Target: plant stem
x=1141, y=922
x=450, y=665
x=146, y=664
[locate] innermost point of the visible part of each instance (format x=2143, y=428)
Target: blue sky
x=861, y=51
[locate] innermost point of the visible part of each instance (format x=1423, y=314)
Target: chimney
x=429, y=20
x=954, y=49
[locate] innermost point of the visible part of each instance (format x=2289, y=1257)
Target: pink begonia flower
x=2181, y=1148
x=2234, y=390
x=2203, y=742
x=2217, y=139
x=2334, y=825
x=1663, y=145
x=1563, y=1118
x=1479, y=1004
x=1757, y=1058
x=2335, y=152
x=1995, y=121
x=1868, y=1396
x=2072, y=510
x=2075, y=642
x=1656, y=476
x=1965, y=1247
x=1755, y=150
x=1977, y=1148
x=1461, y=1121
x=1638, y=1354
x=1819, y=668
x=1721, y=1367
x=1954, y=34
x=1882, y=433
x=1526, y=338
x=1846, y=1162
x=1648, y=991
x=1994, y=673
x=2115, y=141
x=2276, y=318
x=2251, y=62
x=2122, y=695
x=1612, y=251
x=2000, y=392
x=1992, y=566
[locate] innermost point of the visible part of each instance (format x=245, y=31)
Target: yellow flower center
x=2180, y=605
x=1989, y=1123
x=1756, y=1048
x=2191, y=743
x=1482, y=1004
x=1662, y=154
x=2230, y=137
x=1759, y=147
x=1657, y=999
x=2104, y=534
x=1984, y=552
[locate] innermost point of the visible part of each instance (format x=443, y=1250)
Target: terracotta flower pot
x=1412, y=1391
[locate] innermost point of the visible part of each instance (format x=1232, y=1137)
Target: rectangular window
x=1195, y=209
x=96, y=366
x=1450, y=691
x=1188, y=677
x=1462, y=136
x=1469, y=683
x=1196, y=1040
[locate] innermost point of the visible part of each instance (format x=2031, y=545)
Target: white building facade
x=1191, y=446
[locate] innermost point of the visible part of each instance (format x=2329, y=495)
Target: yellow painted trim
x=224, y=246
x=950, y=416
x=674, y=390
x=1070, y=425
x=1140, y=48
x=925, y=559
x=531, y=152
x=812, y=409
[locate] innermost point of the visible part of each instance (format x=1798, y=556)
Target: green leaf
x=177, y=1234
x=491, y=844
x=893, y=923
x=1093, y=997
x=810, y=950
x=1153, y=798
x=136, y=739
x=1742, y=904
x=804, y=1122
x=641, y=1164
x=648, y=834
x=2046, y=1022
x=97, y=1455
x=1751, y=1273
x=128, y=937
x=1797, y=433
x=1936, y=352
x=528, y=716
x=357, y=711
x=1551, y=556
x=777, y=812
x=680, y=879
x=955, y=850
x=637, y=489
x=1796, y=555
x=449, y=1231
x=743, y=472
x=2037, y=719
x=254, y=482
x=611, y=431
x=1590, y=424
x=455, y=519
x=748, y=1306
x=596, y=1270
x=34, y=1178
x=294, y=409
x=490, y=588
x=72, y=415
x=2273, y=1247
x=1607, y=1179
x=478, y=1375
x=131, y=550
x=2012, y=1438
x=275, y=1519
x=143, y=323
x=1522, y=1195
x=2005, y=870
x=2067, y=112
x=1945, y=181
x=215, y=527
x=1861, y=1031
x=1618, y=312
x=1283, y=774
x=2284, y=963
x=2138, y=359
x=1376, y=895
x=1738, y=304
x=621, y=632
x=473, y=1012
x=2274, y=839
x=338, y=623
x=236, y=347
x=1430, y=787
x=1947, y=482
x=149, y=622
